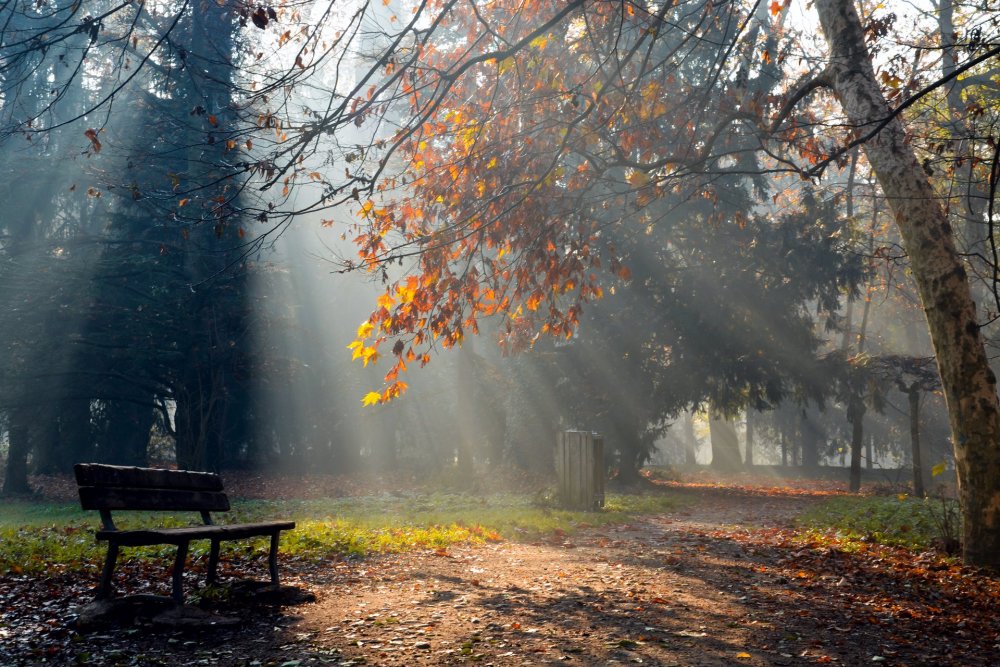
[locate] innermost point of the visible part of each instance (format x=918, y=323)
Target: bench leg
x=104, y=591
x=213, y=561
x=178, y=578
x=272, y=559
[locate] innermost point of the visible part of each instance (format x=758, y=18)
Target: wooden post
x=580, y=470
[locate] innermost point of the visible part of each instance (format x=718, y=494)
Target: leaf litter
x=723, y=580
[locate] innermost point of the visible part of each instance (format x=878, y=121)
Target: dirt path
x=716, y=583
x=720, y=581
x=664, y=590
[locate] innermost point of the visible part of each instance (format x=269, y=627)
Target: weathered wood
x=213, y=561
x=580, y=470
x=99, y=474
x=146, y=536
x=155, y=499
x=177, y=579
x=105, y=488
x=106, y=588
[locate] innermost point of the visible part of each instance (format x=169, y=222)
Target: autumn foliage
x=540, y=125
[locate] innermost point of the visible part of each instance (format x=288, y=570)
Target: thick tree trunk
x=969, y=384
x=125, y=440
x=725, y=445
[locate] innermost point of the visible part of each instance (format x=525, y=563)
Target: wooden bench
x=105, y=488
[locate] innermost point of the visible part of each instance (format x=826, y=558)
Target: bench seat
x=149, y=536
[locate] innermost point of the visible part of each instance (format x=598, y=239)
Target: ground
x=720, y=581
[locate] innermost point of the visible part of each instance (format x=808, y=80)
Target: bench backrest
x=107, y=487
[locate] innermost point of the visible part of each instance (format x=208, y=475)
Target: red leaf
x=95, y=142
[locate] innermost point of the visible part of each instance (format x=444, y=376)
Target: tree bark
x=690, y=441
x=809, y=441
x=725, y=445
x=856, y=416
x=784, y=450
x=969, y=384
x=913, y=394
x=15, y=479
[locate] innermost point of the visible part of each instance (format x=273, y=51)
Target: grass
x=891, y=520
x=37, y=537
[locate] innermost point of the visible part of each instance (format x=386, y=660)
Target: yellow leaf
x=365, y=330
x=372, y=398
x=939, y=469
x=539, y=42
x=638, y=178
x=743, y=655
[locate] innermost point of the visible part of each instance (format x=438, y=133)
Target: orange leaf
x=94, y=141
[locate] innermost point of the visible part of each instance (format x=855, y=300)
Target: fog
x=171, y=296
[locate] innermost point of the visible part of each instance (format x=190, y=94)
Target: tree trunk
x=76, y=435
x=969, y=384
x=690, y=441
x=465, y=400
x=45, y=439
x=628, y=465
x=784, y=449
x=725, y=445
x=15, y=479
x=125, y=438
x=809, y=441
x=856, y=416
x=913, y=394
x=748, y=456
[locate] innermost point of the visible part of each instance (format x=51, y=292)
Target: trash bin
x=580, y=470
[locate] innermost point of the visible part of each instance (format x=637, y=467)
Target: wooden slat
x=142, y=537
x=579, y=459
x=97, y=474
x=181, y=500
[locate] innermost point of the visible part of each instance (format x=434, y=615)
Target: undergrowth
x=891, y=520
x=37, y=537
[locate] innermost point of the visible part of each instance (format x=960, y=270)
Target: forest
x=415, y=240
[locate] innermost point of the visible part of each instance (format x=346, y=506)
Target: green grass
x=890, y=520
x=36, y=537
